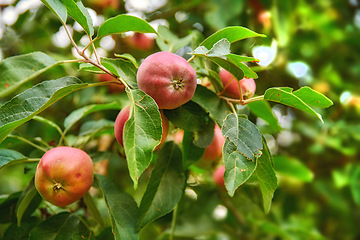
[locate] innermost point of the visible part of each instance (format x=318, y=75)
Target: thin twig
x=173, y=223
x=29, y=142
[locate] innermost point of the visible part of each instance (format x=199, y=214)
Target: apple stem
x=192, y=58
x=243, y=102
x=173, y=223
x=57, y=187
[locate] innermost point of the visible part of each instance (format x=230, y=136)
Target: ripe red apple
x=140, y=41
x=218, y=176
x=64, y=175
x=123, y=116
x=114, y=87
x=168, y=79
x=231, y=87
x=103, y=4
x=214, y=151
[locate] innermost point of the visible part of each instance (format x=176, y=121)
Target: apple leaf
x=92, y=127
x=355, y=185
x=142, y=133
x=122, y=68
x=220, y=54
x=213, y=76
x=9, y=157
x=266, y=176
x=215, y=106
x=263, y=110
x=65, y=226
x=90, y=68
x=292, y=167
x=58, y=8
x=242, y=147
x=165, y=187
x=31, y=102
x=232, y=34
x=122, y=209
x=77, y=10
x=191, y=152
x=28, y=202
x=298, y=99
x=124, y=23
x=168, y=41
x=17, y=70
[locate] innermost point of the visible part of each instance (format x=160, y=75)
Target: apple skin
x=248, y=85
x=123, y=116
x=113, y=88
x=140, y=41
x=168, y=79
x=213, y=151
x=218, y=176
x=64, y=175
x=103, y=4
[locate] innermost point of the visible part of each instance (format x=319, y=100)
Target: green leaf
x=79, y=13
x=28, y=202
x=9, y=157
x=191, y=152
x=58, y=8
x=64, y=226
x=214, y=78
x=292, y=167
x=232, y=34
x=79, y=113
x=142, y=133
x=165, y=186
x=7, y=207
x=124, y=23
x=263, y=110
x=242, y=147
x=122, y=209
x=215, y=106
x=90, y=68
x=122, y=68
x=355, y=185
x=266, y=176
x=17, y=70
x=313, y=98
x=127, y=56
x=168, y=41
x=31, y=102
x=287, y=97
x=48, y=122
x=91, y=127
x=91, y=206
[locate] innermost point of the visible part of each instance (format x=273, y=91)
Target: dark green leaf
x=266, y=176
x=191, y=152
x=122, y=209
x=165, y=186
x=79, y=13
x=91, y=127
x=26, y=105
x=355, y=185
x=7, y=207
x=232, y=34
x=17, y=70
x=58, y=8
x=263, y=110
x=91, y=206
x=142, y=133
x=124, y=23
x=9, y=157
x=207, y=99
x=122, y=68
x=292, y=167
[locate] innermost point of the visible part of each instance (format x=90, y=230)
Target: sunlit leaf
x=77, y=10
x=58, y=8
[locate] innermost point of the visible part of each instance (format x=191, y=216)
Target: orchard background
x=302, y=175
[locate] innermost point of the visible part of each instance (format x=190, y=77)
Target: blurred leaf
x=7, y=207
x=17, y=70
x=165, y=186
x=60, y=226
x=48, y=122
x=124, y=23
x=292, y=167
x=31, y=102
x=207, y=99
x=168, y=41
x=287, y=97
x=79, y=13
x=91, y=127
x=122, y=209
x=355, y=185
x=58, y=8
x=232, y=34
x=79, y=113
x=266, y=176
x=313, y=98
x=263, y=110
x=92, y=208
x=191, y=152
x=122, y=68
x=242, y=147
x=9, y=157
x=142, y=133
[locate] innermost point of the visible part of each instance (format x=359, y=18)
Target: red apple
x=218, y=176
x=213, y=151
x=103, y=4
x=114, y=87
x=231, y=87
x=140, y=41
x=123, y=116
x=168, y=79
x=64, y=175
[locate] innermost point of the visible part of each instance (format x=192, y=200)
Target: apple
x=114, y=87
x=140, y=41
x=231, y=87
x=218, y=176
x=64, y=175
x=123, y=116
x=103, y=4
x=168, y=79
x=213, y=151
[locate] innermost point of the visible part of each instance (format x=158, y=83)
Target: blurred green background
x=309, y=43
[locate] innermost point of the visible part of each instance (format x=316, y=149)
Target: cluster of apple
x=65, y=174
